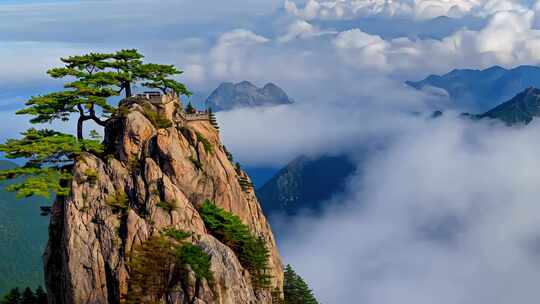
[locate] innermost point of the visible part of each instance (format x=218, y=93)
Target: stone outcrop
x=182, y=164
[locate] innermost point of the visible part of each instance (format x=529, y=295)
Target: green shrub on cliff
x=167, y=206
x=157, y=266
x=49, y=155
x=91, y=176
x=151, y=266
x=197, y=259
x=118, y=202
x=178, y=235
x=155, y=118
x=251, y=250
x=208, y=148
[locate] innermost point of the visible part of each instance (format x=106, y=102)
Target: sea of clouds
x=442, y=211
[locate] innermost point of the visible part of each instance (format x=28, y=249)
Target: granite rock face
x=182, y=164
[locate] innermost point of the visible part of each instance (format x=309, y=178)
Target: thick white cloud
x=340, y=9
x=447, y=213
x=306, y=54
x=418, y=9
x=508, y=39
x=272, y=136
x=231, y=50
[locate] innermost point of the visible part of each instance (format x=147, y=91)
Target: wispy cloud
x=447, y=213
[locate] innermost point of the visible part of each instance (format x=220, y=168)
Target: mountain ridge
x=228, y=96
x=519, y=110
x=304, y=184
x=481, y=90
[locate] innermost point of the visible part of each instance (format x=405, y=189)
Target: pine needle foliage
x=208, y=148
x=159, y=76
x=251, y=250
x=13, y=297
x=197, y=259
x=190, y=109
x=158, y=266
x=91, y=176
x=295, y=289
x=92, y=80
x=28, y=296
x=151, y=267
x=118, y=202
x=48, y=147
x=49, y=155
x=41, y=296
x=178, y=235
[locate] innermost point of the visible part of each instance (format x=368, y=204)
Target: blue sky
x=34, y=1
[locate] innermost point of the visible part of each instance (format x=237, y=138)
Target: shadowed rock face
x=230, y=96
x=85, y=260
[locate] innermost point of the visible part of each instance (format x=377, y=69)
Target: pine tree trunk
x=80, y=128
x=127, y=86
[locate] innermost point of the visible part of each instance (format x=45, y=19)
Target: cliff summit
x=160, y=166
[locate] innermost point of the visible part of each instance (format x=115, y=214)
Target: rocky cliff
x=151, y=160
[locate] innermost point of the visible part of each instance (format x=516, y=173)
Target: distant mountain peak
x=519, y=110
x=481, y=90
x=245, y=94
x=531, y=91
x=305, y=184
x=270, y=85
x=496, y=68
x=245, y=83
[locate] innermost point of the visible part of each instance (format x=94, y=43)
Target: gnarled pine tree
x=94, y=79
